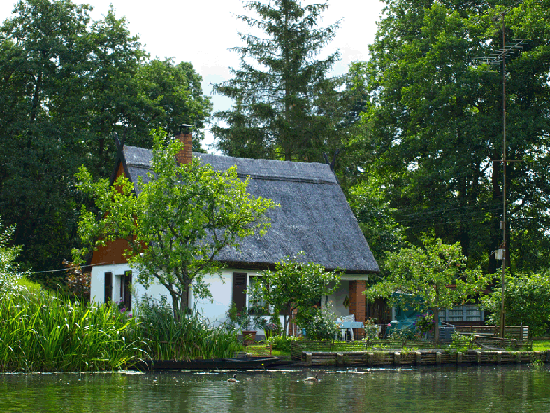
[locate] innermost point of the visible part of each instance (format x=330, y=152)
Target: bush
x=461, y=342
x=425, y=323
x=371, y=330
x=403, y=334
x=282, y=343
x=320, y=324
x=527, y=302
x=192, y=337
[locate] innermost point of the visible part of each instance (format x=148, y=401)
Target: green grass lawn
x=541, y=345
x=262, y=349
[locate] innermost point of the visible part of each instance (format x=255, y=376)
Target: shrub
x=282, y=343
x=461, y=342
x=424, y=323
x=371, y=330
x=320, y=324
x=527, y=302
x=186, y=337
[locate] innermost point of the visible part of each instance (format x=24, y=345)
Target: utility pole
x=496, y=58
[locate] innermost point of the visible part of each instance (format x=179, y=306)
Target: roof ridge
x=287, y=179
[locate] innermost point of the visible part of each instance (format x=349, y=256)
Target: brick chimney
x=186, y=154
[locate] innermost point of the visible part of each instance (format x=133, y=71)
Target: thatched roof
x=314, y=216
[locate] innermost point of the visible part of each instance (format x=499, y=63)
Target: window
x=126, y=293
x=108, y=285
x=239, y=290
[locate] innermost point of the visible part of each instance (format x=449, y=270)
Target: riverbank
x=390, y=358
x=421, y=358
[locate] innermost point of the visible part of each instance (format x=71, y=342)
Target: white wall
x=338, y=297
x=221, y=288
x=214, y=309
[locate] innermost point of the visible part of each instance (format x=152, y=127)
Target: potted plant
x=242, y=320
x=273, y=327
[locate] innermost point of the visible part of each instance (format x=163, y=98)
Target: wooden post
x=397, y=358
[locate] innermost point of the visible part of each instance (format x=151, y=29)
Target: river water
x=438, y=389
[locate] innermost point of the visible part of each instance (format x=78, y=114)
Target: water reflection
x=464, y=389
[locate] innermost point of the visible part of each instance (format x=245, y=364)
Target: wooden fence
x=517, y=332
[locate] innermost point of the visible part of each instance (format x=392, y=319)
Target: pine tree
x=280, y=88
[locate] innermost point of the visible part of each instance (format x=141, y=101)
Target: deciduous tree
x=293, y=285
x=432, y=277
x=67, y=86
x=182, y=217
x=433, y=123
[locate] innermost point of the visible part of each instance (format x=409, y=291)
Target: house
x=313, y=217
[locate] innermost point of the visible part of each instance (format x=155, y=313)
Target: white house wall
x=338, y=297
x=221, y=289
x=215, y=309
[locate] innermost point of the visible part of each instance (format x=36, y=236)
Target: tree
x=432, y=278
x=41, y=50
x=10, y=276
x=293, y=285
x=527, y=302
x=183, y=216
x=171, y=96
x=68, y=86
x=433, y=122
x=376, y=221
x=280, y=87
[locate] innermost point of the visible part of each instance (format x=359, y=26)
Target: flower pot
x=249, y=336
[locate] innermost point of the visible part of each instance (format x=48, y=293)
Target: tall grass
x=189, y=338
x=39, y=332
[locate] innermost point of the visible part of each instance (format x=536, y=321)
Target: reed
x=192, y=337
x=39, y=332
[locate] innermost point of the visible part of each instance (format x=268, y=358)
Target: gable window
x=108, y=287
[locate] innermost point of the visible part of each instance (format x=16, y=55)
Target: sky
x=202, y=32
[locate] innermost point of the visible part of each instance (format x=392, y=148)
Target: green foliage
x=186, y=337
x=183, y=217
x=432, y=124
x=293, y=286
x=403, y=334
x=282, y=343
x=436, y=274
x=285, y=105
x=245, y=319
x=12, y=281
x=40, y=332
x=462, y=342
x=376, y=220
x=424, y=323
x=371, y=331
x=172, y=96
x=319, y=323
x=527, y=302
x=68, y=86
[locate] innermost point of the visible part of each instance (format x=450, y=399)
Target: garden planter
x=249, y=336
